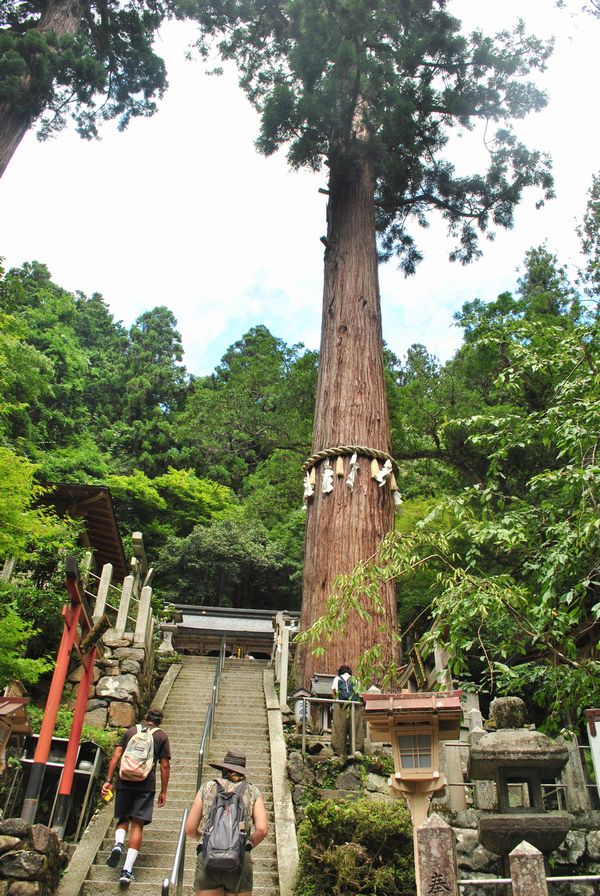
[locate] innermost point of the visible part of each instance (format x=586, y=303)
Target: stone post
x=144, y=610
x=7, y=570
x=484, y=793
x=573, y=777
x=85, y=567
x=278, y=626
x=475, y=719
x=102, y=593
x=124, y=605
x=452, y=763
x=165, y=647
x=285, y=652
x=138, y=562
x=436, y=859
x=527, y=871
x=592, y=718
x=149, y=577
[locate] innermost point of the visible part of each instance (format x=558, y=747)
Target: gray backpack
x=224, y=840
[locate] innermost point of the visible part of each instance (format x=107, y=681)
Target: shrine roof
x=92, y=504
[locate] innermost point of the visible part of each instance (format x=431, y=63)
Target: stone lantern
x=414, y=724
x=519, y=760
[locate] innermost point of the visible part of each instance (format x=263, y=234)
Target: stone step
x=262, y=861
x=166, y=829
x=180, y=799
x=255, y=722
x=242, y=705
x=185, y=779
x=101, y=888
x=248, y=738
x=183, y=795
x=177, y=802
x=155, y=875
x=182, y=788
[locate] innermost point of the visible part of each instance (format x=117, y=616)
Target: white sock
x=120, y=836
x=130, y=858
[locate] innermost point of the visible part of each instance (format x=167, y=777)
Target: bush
x=107, y=740
x=357, y=848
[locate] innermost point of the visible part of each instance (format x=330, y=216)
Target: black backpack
x=345, y=689
x=224, y=839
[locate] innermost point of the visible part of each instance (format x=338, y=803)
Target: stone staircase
x=240, y=722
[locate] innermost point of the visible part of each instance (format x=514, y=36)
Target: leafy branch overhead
x=82, y=59
x=397, y=80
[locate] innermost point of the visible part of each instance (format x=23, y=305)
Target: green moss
x=377, y=764
x=357, y=848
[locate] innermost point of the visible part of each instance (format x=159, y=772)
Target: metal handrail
x=210, y=715
x=504, y=881
x=176, y=878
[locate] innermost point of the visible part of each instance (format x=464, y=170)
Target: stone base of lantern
x=502, y=833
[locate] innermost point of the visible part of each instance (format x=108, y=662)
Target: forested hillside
x=498, y=535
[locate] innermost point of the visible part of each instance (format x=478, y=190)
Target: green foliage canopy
x=397, y=78
x=88, y=60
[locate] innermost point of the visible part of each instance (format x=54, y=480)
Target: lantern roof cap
x=397, y=703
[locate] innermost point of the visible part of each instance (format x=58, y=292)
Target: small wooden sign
x=93, y=636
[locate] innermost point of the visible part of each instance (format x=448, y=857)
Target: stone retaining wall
x=31, y=859
x=122, y=683
x=578, y=854
x=323, y=776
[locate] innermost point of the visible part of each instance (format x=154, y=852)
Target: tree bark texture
x=63, y=17
x=345, y=527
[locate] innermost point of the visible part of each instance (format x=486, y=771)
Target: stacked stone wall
x=121, y=686
x=31, y=859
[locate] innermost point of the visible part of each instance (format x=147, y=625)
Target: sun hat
x=234, y=762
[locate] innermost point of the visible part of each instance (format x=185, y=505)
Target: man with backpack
x=349, y=704
x=228, y=816
x=141, y=747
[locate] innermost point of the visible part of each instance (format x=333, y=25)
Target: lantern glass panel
x=415, y=751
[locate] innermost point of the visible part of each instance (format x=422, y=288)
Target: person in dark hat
x=233, y=772
x=134, y=800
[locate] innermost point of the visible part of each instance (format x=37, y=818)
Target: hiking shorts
x=229, y=880
x=134, y=804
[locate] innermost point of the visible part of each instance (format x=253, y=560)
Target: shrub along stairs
x=241, y=723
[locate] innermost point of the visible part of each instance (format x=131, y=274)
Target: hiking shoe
x=126, y=878
x=115, y=856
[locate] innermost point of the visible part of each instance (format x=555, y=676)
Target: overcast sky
x=180, y=210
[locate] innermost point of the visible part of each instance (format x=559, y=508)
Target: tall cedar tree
x=91, y=59
x=374, y=89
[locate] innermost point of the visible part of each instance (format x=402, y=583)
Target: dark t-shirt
x=162, y=750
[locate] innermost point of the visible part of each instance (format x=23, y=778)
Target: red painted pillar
x=63, y=801
x=71, y=616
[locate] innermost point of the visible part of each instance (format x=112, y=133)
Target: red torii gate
x=77, y=616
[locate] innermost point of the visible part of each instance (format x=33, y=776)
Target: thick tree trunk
x=63, y=17
x=345, y=527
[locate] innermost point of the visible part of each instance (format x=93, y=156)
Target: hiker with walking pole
x=228, y=816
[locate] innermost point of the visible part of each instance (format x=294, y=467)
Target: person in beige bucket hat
x=233, y=762
x=209, y=882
